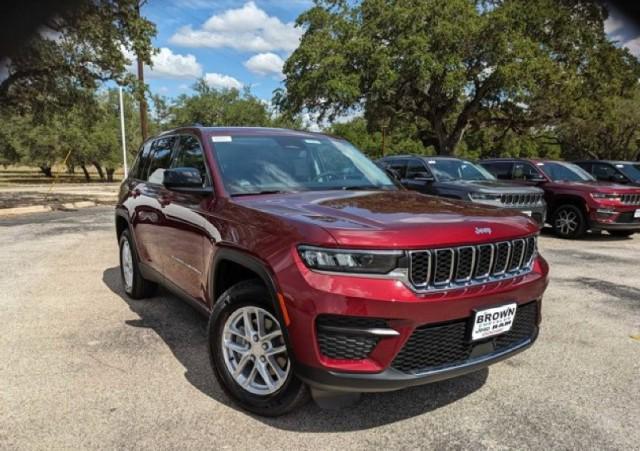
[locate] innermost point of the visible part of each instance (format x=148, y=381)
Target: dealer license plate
x=636, y=214
x=493, y=321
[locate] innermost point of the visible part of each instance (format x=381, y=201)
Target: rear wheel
x=621, y=233
x=569, y=222
x=136, y=286
x=249, y=354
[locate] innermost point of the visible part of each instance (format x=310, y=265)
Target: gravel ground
x=82, y=366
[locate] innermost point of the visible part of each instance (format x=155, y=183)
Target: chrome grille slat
x=520, y=200
x=630, y=199
x=437, y=269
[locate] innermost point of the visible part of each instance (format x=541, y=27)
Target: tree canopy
x=451, y=67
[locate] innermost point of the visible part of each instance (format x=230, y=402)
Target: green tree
x=451, y=66
x=75, y=51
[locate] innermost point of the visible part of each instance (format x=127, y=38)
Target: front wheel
x=249, y=354
x=569, y=222
x=136, y=286
x=621, y=233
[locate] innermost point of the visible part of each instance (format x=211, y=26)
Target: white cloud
x=221, y=81
x=167, y=64
x=634, y=46
x=247, y=29
x=265, y=64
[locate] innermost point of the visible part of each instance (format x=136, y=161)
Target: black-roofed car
x=456, y=178
x=625, y=172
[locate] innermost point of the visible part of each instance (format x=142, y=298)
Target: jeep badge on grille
x=483, y=231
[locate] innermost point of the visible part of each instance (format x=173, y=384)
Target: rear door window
x=502, y=170
x=399, y=166
x=416, y=169
x=141, y=161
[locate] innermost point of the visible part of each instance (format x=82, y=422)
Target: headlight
x=484, y=197
x=606, y=196
x=353, y=261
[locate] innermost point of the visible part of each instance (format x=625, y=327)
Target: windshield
x=630, y=170
x=458, y=170
x=568, y=172
x=262, y=164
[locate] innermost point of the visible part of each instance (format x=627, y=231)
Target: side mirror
x=185, y=180
x=424, y=177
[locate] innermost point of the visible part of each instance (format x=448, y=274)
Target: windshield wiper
x=362, y=187
x=257, y=193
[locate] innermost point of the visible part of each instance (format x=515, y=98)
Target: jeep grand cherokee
x=315, y=270
x=460, y=179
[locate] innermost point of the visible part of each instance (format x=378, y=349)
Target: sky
x=231, y=44
x=235, y=44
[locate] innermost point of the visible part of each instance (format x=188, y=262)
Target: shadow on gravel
x=589, y=236
x=183, y=329
x=618, y=291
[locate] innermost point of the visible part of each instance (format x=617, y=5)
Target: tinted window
x=189, y=154
x=603, y=171
x=501, y=170
x=254, y=164
x=452, y=169
x=568, y=172
x=525, y=171
x=141, y=160
x=160, y=158
x=416, y=168
x=631, y=170
x=399, y=165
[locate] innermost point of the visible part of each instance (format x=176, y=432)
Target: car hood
x=489, y=186
x=391, y=219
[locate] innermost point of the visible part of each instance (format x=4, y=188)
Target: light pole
x=124, y=141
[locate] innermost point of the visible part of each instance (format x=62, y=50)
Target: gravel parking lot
x=82, y=366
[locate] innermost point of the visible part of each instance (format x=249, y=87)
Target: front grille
x=631, y=199
x=433, y=347
x=450, y=267
x=520, y=200
x=346, y=346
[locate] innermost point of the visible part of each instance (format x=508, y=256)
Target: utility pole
x=124, y=141
x=141, y=93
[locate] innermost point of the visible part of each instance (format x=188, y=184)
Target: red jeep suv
x=576, y=201
x=316, y=270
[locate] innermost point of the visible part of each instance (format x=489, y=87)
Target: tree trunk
x=86, y=173
x=99, y=169
x=71, y=169
x=110, y=172
x=46, y=170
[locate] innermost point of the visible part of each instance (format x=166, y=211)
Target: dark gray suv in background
x=461, y=179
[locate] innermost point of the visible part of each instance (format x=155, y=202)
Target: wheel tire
x=569, y=222
x=138, y=287
x=621, y=233
x=292, y=392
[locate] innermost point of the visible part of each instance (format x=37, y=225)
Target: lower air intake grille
x=346, y=346
x=431, y=347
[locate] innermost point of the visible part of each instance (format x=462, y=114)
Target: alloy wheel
x=566, y=222
x=254, y=350
x=127, y=266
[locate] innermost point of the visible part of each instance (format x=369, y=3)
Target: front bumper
x=309, y=295
x=391, y=379
x=620, y=218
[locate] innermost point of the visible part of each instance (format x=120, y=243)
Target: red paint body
x=558, y=193
x=179, y=235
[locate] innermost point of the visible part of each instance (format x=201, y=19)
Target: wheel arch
x=567, y=199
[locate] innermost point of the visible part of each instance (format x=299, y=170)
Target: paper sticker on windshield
x=312, y=141
x=539, y=164
x=432, y=162
x=221, y=139
x=621, y=166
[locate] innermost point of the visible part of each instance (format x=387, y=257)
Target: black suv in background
x=627, y=172
x=461, y=179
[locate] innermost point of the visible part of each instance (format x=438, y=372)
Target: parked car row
x=572, y=198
